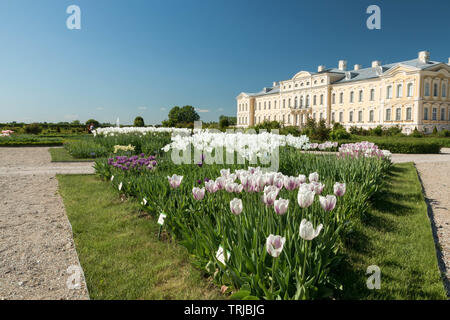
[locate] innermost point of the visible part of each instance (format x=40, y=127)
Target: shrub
x=33, y=128
x=139, y=122
x=339, y=134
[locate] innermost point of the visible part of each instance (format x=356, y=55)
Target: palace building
x=409, y=94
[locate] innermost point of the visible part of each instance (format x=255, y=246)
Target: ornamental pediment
x=302, y=74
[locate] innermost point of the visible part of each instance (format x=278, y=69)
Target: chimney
x=320, y=68
x=424, y=56
x=448, y=61
x=342, y=65
x=357, y=67
x=274, y=84
x=376, y=63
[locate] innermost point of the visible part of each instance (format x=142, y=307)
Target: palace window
x=284, y=103
x=408, y=113
x=388, y=114
x=275, y=118
x=398, y=114
x=427, y=89
x=321, y=99
x=351, y=96
x=314, y=100
x=350, y=116
x=284, y=119
x=360, y=95
x=435, y=90
x=333, y=98
x=320, y=116
x=399, y=91
x=332, y=117
x=341, y=116
x=289, y=119
x=295, y=102
x=269, y=105
x=444, y=90
x=259, y=103
x=360, y=116
x=289, y=102
x=389, y=92
x=425, y=113
x=434, y=115
x=341, y=97
x=301, y=101
x=307, y=100
x=442, y=114
x=275, y=104
x=371, y=116
x=269, y=118
x=372, y=94
x=410, y=89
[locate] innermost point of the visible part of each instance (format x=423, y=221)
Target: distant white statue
x=117, y=123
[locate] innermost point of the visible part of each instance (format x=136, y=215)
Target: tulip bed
x=275, y=235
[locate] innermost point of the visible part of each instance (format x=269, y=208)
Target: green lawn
x=62, y=155
x=119, y=250
x=396, y=236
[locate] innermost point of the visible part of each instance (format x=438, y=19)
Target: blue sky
x=139, y=57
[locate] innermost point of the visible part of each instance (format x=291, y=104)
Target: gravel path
x=434, y=173
x=37, y=254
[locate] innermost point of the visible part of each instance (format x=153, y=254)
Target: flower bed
x=268, y=235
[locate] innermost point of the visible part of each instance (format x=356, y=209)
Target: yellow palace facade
x=409, y=94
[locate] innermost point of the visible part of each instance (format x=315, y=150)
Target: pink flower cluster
x=362, y=149
x=323, y=146
x=270, y=184
x=6, y=133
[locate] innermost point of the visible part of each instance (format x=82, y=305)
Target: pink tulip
x=318, y=187
x=305, y=198
x=236, y=206
x=281, y=206
x=302, y=178
x=175, y=181
x=211, y=186
x=313, y=177
x=274, y=245
x=339, y=189
x=290, y=183
x=327, y=203
x=307, y=231
x=198, y=193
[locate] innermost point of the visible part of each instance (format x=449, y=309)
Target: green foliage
x=94, y=122
x=267, y=126
x=225, y=121
x=33, y=128
x=339, y=134
x=181, y=117
x=139, y=122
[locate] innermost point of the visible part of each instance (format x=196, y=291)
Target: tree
x=181, y=116
x=93, y=121
x=139, y=122
x=188, y=114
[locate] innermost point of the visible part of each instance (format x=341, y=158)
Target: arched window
x=427, y=89
x=408, y=113
x=435, y=90
x=444, y=90
x=372, y=94
x=295, y=103
x=388, y=114
x=350, y=116
x=333, y=98
x=442, y=114
x=434, y=114
x=360, y=116
x=389, y=92
x=307, y=100
x=360, y=95
x=341, y=97
x=425, y=113
x=321, y=99
x=351, y=96
x=332, y=117
x=398, y=114
x=399, y=90
x=341, y=116
x=410, y=89
x=301, y=101
x=314, y=100
x=371, y=116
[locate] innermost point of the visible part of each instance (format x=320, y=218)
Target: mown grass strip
x=62, y=155
x=119, y=250
x=396, y=236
